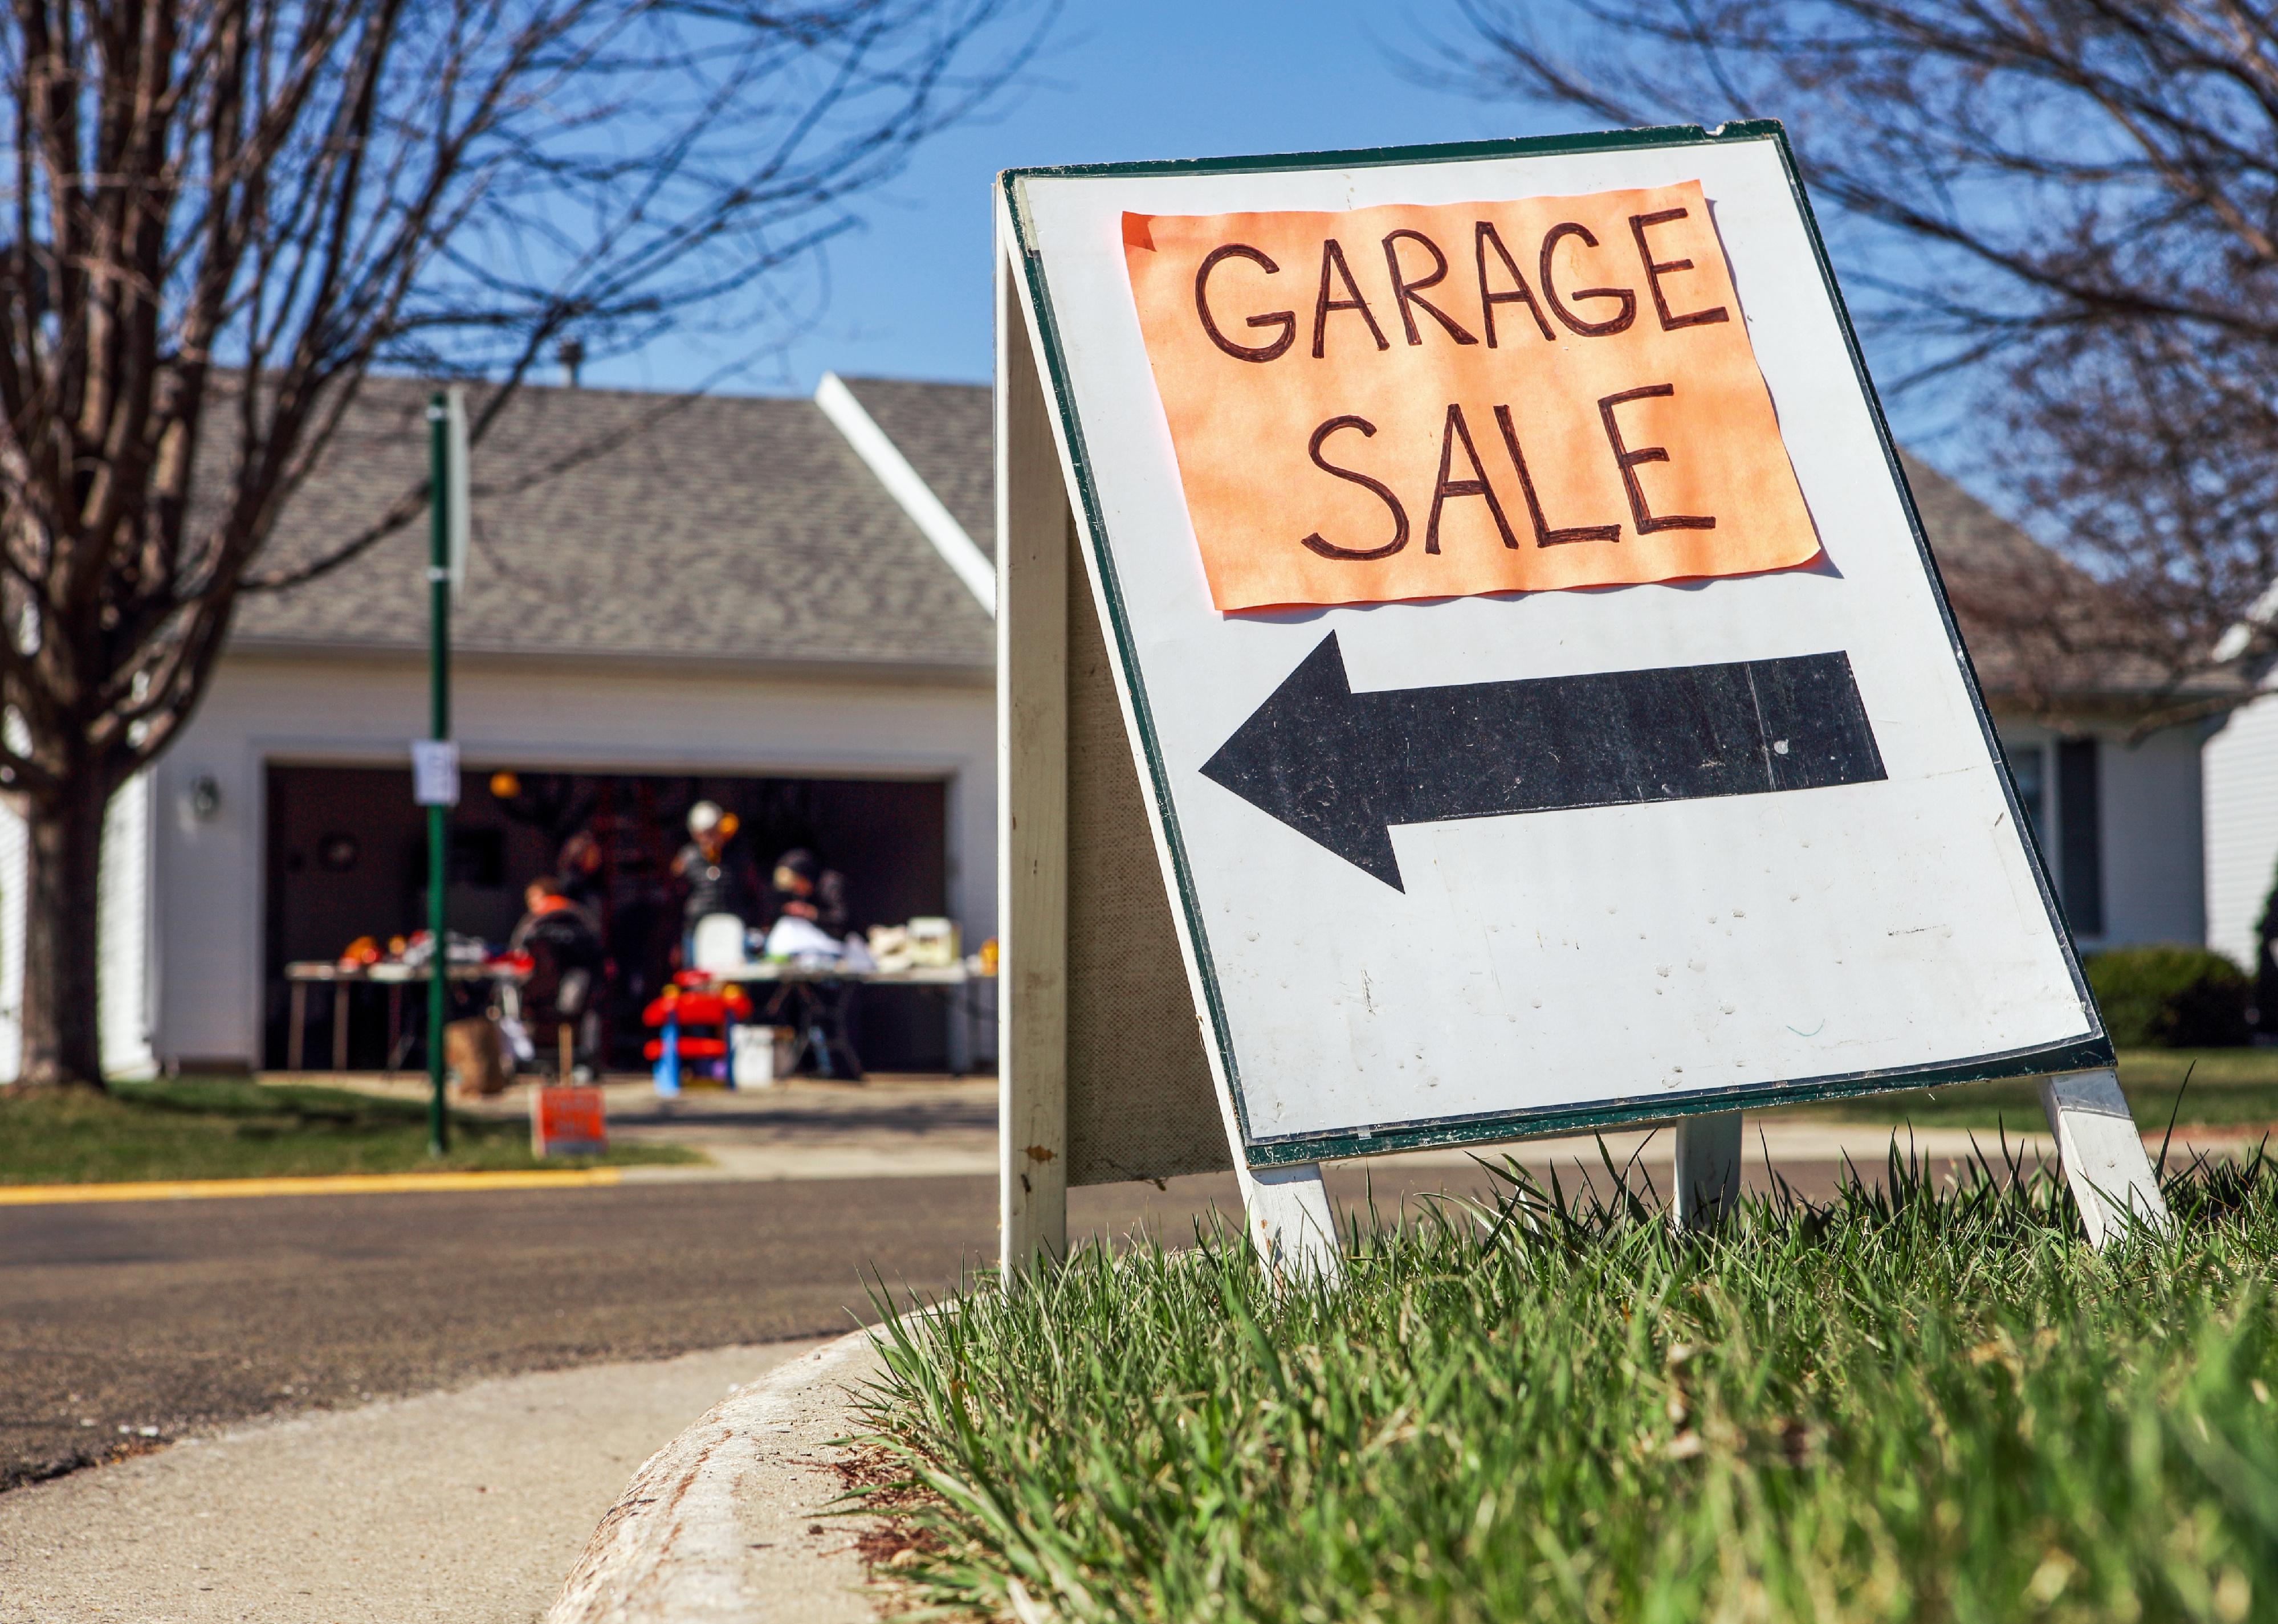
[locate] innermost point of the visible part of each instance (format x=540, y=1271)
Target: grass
x=2229, y=1087
x=1917, y=1403
x=236, y=1128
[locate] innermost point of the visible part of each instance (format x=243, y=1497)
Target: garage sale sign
x=1488, y=419
x=1545, y=709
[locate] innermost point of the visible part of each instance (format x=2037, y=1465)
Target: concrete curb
x=314, y=1183
x=719, y=1527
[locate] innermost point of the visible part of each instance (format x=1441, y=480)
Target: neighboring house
x=783, y=604
x=2241, y=825
x=668, y=596
x=2116, y=807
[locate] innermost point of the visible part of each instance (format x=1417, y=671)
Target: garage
x=346, y=857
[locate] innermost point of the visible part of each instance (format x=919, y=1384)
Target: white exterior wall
x=2155, y=871
x=2154, y=866
x=14, y=856
x=591, y=717
x=2241, y=825
x=125, y=987
x=125, y=907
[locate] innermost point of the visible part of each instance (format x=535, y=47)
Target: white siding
x=2150, y=814
x=14, y=851
x=2241, y=825
x=210, y=873
x=124, y=905
x=124, y=986
x=2155, y=871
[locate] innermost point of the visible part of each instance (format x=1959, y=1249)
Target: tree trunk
x=62, y=941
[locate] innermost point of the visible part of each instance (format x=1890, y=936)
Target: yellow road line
x=335, y=1184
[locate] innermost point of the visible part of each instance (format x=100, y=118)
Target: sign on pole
x=1526, y=661
x=434, y=772
x=458, y=488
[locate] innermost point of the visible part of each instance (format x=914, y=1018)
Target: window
x=2028, y=769
x=2080, y=836
x=2063, y=806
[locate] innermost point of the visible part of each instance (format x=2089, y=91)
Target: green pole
x=439, y=705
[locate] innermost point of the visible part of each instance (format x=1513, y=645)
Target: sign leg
x=1708, y=1173
x=2103, y=1155
x=1286, y=1211
x=1034, y=524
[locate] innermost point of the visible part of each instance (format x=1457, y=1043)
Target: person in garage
x=715, y=874
x=803, y=888
x=561, y=1002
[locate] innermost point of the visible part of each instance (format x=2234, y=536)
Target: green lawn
x=2229, y=1087
x=1934, y=1406
x=236, y=1128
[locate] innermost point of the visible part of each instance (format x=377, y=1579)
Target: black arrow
x=1340, y=768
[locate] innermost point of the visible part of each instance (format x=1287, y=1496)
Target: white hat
x=703, y=818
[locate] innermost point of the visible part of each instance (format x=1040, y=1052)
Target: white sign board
x=1563, y=724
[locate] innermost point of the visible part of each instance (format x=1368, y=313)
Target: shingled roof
x=944, y=429
x=2046, y=637
x=747, y=529
x=613, y=524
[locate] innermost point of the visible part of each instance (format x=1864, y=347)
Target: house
x=778, y=605
x=2242, y=824
x=782, y=606
x=2114, y=803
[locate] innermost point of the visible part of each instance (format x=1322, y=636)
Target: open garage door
x=346, y=857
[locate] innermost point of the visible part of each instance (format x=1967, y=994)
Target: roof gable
x=946, y=431
x=619, y=523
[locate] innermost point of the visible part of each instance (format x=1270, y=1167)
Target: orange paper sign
x=1415, y=402
x=568, y=1119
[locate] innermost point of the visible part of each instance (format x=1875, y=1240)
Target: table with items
x=806, y=999
x=344, y=976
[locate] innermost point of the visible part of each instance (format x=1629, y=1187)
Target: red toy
x=680, y=1007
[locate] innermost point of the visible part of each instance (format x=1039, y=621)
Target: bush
x=2171, y=996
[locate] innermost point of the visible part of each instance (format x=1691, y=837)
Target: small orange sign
x=568, y=1119
x=1431, y=402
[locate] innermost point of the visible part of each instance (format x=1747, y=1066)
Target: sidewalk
x=932, y=1126
x=910, y=1126
x=719, y=1527
x=461, y=1507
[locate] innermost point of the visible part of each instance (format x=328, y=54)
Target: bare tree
x=227, y=213
x=2062, y=213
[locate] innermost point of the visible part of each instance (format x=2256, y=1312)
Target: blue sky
x=1164, y=79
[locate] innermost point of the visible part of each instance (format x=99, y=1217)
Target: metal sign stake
x=2111, y=1180
x=1707, y=1171
x=439, y=705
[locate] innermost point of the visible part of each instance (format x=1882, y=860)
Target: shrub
x=2171, y=996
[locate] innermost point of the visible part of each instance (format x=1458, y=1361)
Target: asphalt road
x=181, y=1316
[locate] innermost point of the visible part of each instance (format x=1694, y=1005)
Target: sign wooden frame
x=1043, y=458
